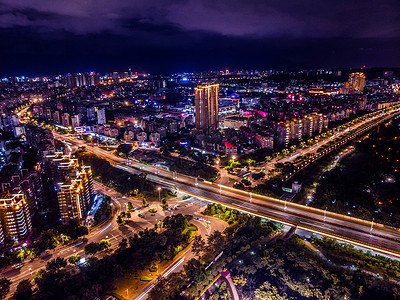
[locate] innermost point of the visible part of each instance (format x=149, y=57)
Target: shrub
x=145, y=278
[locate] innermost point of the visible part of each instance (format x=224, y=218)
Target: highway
x=346, y=228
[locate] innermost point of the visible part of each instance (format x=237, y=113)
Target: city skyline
x=197, y=149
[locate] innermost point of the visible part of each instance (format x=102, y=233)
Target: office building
x=206, y=103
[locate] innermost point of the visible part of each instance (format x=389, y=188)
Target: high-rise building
x=296, y=130
x=15, y=216
x=101, y=116
x=74, y=197
x=206, y=102
x=47, y=115
x=308, y=126
x=355, y=83
x=91, y=115
x=318, y=120
x=29, y=183
x=74, y=185
x=283, y=134
x=75, y=121
x=56, y=117
x=65, y=120
x=2, y=236
x=83, y=79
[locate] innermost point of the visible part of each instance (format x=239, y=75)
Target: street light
x=233, y=157
x=159, y=193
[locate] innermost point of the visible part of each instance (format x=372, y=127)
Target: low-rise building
x=264, y=141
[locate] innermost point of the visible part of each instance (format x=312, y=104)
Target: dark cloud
x=306, y=18
x=164, y=35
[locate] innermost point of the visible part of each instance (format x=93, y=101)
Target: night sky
x=164, y=36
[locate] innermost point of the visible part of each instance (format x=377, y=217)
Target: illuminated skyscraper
x=74, y=196
x=206, y=102
x=74, y=186
x=355, y=83
x=15, y=217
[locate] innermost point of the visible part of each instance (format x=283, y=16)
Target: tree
x=144, y=202
x=120, y=221
x=124, y=149
x=128, y=215
x=246, y=181
x=24, y=290
x=39, y=274
x=239, y=280
x=56, y=264
x=198, y=245
x=92, y=248
x=104, y=244
x=123, y=243
x=21, y=254
x=73, y=259
x=122, y=214
x=65, y=238
x=4, y=287
x=129, y=206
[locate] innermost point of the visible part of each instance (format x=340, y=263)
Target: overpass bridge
x=368, y=234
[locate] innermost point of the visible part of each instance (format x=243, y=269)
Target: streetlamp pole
x=159, y=194
x=251, y=196
x=325, y=214
x=372, y=224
